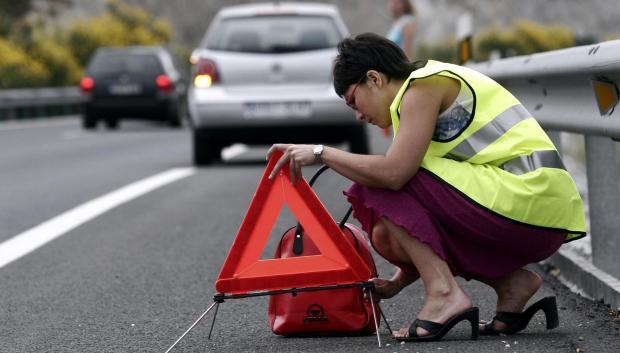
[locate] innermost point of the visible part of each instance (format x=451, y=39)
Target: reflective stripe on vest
x=538, y=159
x=492, y=131
x=488, y=133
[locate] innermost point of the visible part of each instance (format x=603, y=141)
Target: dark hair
x=369, y=51
x=408, y=7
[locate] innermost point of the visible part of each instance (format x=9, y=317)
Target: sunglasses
x=351, y=101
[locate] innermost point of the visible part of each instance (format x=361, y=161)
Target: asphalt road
x=133, y=278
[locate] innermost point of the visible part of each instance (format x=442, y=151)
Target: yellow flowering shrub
x=18, y=70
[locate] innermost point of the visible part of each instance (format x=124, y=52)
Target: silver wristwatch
x=317, y=150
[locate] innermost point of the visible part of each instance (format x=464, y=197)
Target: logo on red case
x=315, y=313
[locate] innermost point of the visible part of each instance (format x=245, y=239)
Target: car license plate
x=125, y=89
x=277, y=110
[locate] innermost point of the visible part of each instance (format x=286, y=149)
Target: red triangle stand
x=244, y=271
x=245, y=275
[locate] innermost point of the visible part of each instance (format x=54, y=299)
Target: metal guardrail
x=558, y=87
x=576, y=90
x=15, y=103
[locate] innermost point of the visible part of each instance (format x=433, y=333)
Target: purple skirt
x=475, y=242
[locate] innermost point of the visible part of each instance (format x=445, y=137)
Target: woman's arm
x=418, y=116
x=419, y=109
x=408, y=32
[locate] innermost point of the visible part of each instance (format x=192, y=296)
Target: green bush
x=611, y=36
x=142, y=27
x=161, y=30
x=120, y=25
x=11, y=11
x=59, y=60
x=30, y=56
x=88, y=35
x=522, y=38
x=18, y=70
x=443, y=51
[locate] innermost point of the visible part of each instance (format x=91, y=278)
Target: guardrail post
x=464, y=32
x=556, y=138
x=604, y=200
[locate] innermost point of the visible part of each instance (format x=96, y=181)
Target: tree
x=11, y=11
x=15, y=8
x=119, y=25
x=18, y=70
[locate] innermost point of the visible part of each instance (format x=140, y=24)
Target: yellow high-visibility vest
x=502, y=160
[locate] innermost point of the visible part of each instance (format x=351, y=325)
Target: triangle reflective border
x=244, y=271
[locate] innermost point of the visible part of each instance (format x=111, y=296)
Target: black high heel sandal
x=516, y=322
x=437, y=331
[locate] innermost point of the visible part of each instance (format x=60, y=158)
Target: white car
x=263, y=74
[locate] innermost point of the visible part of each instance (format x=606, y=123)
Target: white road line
x=28, y=241
x=233, y=151
x=26, y=124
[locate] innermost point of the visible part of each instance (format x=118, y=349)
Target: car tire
x=111, y=123
x=358, y=140
x=174, y=118
x=89, y=121
x=174, y=121
x=206, y=149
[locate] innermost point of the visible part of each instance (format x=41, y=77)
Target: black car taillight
x=87, y=84
x=163, y=83
x=206, y=73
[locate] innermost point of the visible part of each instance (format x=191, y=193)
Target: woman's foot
x=513, y=293
x=440, y=307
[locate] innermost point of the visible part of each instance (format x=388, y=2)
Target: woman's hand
x=296, y=155
x=386, y=288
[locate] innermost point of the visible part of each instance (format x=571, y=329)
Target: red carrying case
x=343, y=311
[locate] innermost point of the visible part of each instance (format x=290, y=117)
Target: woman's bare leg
x=391, y=250
x=444, y=297
x=513, y=292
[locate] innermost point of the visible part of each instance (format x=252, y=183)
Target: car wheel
x=89, y=121
x=174, y=121
x=206, y=148
x=358, y=140
x=111, y=123
x=174, y=118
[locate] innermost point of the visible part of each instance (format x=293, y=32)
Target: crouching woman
x=470, y=186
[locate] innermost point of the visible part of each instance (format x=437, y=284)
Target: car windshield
x=125, y=62
x=274, y=34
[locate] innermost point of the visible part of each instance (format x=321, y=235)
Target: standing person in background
x=403, y=25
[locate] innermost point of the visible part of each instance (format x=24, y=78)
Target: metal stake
x=386, y=322
x=374, y=316
x=217, y=307
x=191, y=327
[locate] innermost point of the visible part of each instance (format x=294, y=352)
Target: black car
x=132, y=82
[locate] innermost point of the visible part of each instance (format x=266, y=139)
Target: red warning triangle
x=244, y=271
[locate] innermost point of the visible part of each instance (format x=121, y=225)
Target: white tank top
x=456, y=117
